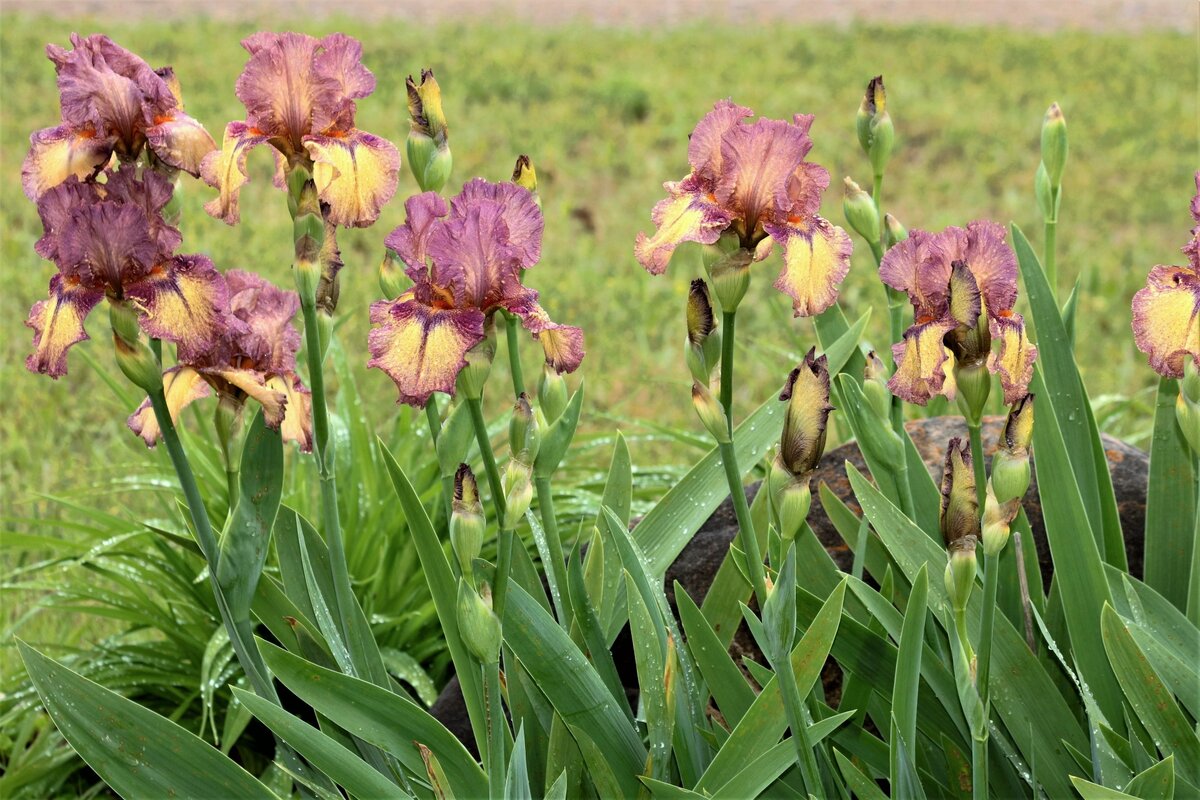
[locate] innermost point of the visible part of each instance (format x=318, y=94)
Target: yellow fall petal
x=355, y=174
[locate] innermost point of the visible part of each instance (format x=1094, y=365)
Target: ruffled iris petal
x=562, y=344
x=280, y=88
x=982, y=248
x=225, y=170
x=704, y=145
x=518, y=210
x=909, y=267
x=356, y=174
x=340, y=69
x=758, y=162
x=180, y=141
x=297, y=413
x=422, y=349
x=183, y=301
x=1166, y=319
x=921, y=362
x=182, y=386
x=472, y=255
x=255, y=385
x=57, y=324
x=1013, y=362
x=686, y=215
x=816, y=258
x=410, y=241
x=56, y=154
x=269, y=339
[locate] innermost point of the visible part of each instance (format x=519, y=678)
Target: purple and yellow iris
x=112, y=103
x=465, y=259
x=253, y=357
x=299, y=95
x=108, y=239
x=962, y=284
x=1166, y=313
x=752, y=180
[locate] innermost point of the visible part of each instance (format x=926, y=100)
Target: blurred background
x=602, y=96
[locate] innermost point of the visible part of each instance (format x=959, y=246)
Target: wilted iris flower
x=254, y=356
x=465, y=259
x=752, y=180
x=962, y=284
x=1166, y=313
x=112, y=103
x=108, y=239
x=299, y=94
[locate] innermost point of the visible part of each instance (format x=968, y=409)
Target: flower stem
x=514, y=355
x=435, y=431
x=1049, y=256
x=495, y=740
x=977, y=461
x=979, y=768
x=558, y=562
x=489, y=458
x=729, y=320
x=746, y=535
x=503, y=570
x=794, y=707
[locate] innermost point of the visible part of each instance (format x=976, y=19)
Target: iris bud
x=961, y=570
x=478, y=624
x=1045, y=194
x=524, y=430
x=959, y=519
x=427, y=147
x=467, y=522
x=876, y=134
x=517, y=484
x=703, y=340
x=995, y=526
x=1187, y=406
x=1054, y=145
x=875, y=387
x=710, y=412
x=1010, y=466
x=134, y=356
x=552, y=393
x=894, y=232
x=792, y=499
x=807, y=395
x=524, y=175
x=730, y=275
x=860, y=212
x=474, y=375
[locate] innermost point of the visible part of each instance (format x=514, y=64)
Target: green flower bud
x=860, y=212
x=525, y=176
x=478, y=624
x=524, y=431
x=804, y=425
x=876, y=134
x=474, y=375
x=730, y=275
x=959, y=518
x=517, y=485
x=961, y=569
x=1054, y=145
x=552, y=393
x=710, y=413
x=703, y=350
x=995, y=526
x=894, y=232
x=427, y=147
x=1010, y=466
x=467, y=522
x=392, y=279
x=134, y=356
x=792, y=506
x=879, y=398
x=974, y=385
x=1187, y=406
x=1044, y=194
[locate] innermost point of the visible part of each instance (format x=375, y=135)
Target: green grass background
x=605, y=115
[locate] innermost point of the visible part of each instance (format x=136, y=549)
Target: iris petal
x=180, y=141
x=1013, y=362
x=686, y=215
x=518, y=209
x=183, y=302
x=182, y=386
x=355, y=173
x=225, y=170
x=1166, y=319
x=57, y=324
x=816, y=258
x=758, y=162
x=297, y=414
x=921, y=362
x=422, y=349
x=56, y=154
x=410, y=240
x=562, y=344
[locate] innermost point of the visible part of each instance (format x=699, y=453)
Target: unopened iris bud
x=1045, y=194
x=730, y=275
x=524, y=430
x=807, y=395
x=860, y=212
x=474, y=375
x=428, y=147
x=1054, y=145
x=995, y=525
x=961, y=569
x=959, y=519
x=1010, y=466
x=552, y=393
x=478, y=624
x=134, y=356
x=525, y=176
x=467, y=521
x=392, y=279
x=710, y=413
x=703, y=340
x=876, y=134
x=517, y=484
x=894, y=232
x=875, y=379
x=792, y=499
x=1187, y=406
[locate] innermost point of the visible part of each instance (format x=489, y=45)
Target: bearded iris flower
x=465, y=259
x=751, y=180
x=253, y=357
x=112, y=103
x=299, y=95
x=1166, y=312
x=962, y=284
x=109, y=239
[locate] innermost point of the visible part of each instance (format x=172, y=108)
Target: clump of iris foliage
x=984, y=683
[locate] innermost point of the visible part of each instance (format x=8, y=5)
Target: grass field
x=605, y=115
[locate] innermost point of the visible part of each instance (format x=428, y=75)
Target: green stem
x=896, y=333
x=877, y=197
x=514, y=356
x=991, y=580
x=960, y=628
x=977, y=460
x=495, y=712
x=794, y=708
x=558, y=563
x=489, y=458
x=729, y=320
x=979, y=769
x=503, y=570
x=746, y=536
x=1049, y=255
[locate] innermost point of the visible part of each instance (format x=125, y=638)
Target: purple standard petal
x=339, y=66
x=521, y=214
x=108, y=244
x=982, y=247
x=150, y=192
x=704, y=144
x=269, y=340
x=56, y=206
x=410, y=240
x=280, y=87
x=758, y=164
x=910, y=267
x=472, y=257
